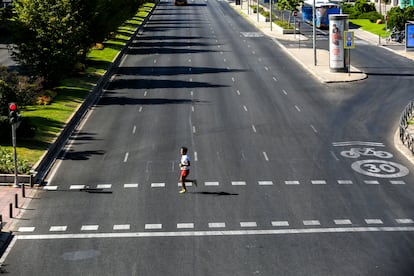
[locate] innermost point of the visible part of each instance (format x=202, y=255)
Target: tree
x=290, y=5
x=51, y=37
x=396, y=18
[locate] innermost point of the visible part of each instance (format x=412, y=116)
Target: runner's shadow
x=216, y=193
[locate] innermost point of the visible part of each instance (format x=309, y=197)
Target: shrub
x=373, y=16
x=7, y=163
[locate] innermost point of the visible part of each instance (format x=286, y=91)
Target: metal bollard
x=23, y=191
x=16, y=202
x=11, y=210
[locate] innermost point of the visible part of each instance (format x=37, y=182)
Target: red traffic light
x=12, y=107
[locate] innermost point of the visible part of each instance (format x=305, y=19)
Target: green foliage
x=51, y=37
x=7, y=163
x=54, y=36
x=372, y=16
x=289, y=5
x=397, y=18
x=362, y=6
x=17, y=88
x=362, y=10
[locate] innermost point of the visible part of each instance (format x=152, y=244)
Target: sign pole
x=16, y=182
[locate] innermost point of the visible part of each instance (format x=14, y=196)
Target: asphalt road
x=294, y=177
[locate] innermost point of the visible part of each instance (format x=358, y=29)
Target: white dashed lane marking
x=122, y=227
x=157, y=185
x=58, y=228
x=153, y=226
x=76, y=187
x=211, y=225
x=217, y=225
x=234, y=183
x=131, y=185
x=89, y=227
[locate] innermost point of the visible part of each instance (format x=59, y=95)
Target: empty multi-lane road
x=294, y=177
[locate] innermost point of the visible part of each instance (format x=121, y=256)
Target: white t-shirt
x=185, y=160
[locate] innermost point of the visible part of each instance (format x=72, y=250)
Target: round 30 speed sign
x=380, y=168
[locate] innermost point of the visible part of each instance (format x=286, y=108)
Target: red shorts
x=185, y=173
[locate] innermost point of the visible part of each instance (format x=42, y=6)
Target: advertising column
x=338, y=23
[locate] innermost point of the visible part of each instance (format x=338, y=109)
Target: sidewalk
x=305, y=56
x=7, y=197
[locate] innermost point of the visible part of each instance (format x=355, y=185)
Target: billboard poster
x=336, y=43
x=409, y=38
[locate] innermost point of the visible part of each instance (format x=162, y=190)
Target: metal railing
x=406, y=137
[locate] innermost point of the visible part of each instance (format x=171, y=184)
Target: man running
x=184, y=168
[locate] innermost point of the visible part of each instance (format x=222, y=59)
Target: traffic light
x=14, y=115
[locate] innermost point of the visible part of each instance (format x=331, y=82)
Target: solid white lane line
x=185, y=225
x=248, y=224
x=280, y=223
x=154, y=226
x=373, y=221
x=89, y=227
x=265, y=183
x=404, y=221
x=58, y=228
x=217, y=225
x=244, y=232
x=157, y=185
x=265, y=156
x=294, y=182
x=254, y=129
x=343, y=222
x=104, y=186
x=195, y=156
x=211, y=183
x=318, y=182
x=345, y=182
x=311, y=222
x=76, y=187
x=126, y=157
x=238, y=183
x=131, y=185
x=50, y=188
x=121, y=227
x=26, y=229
